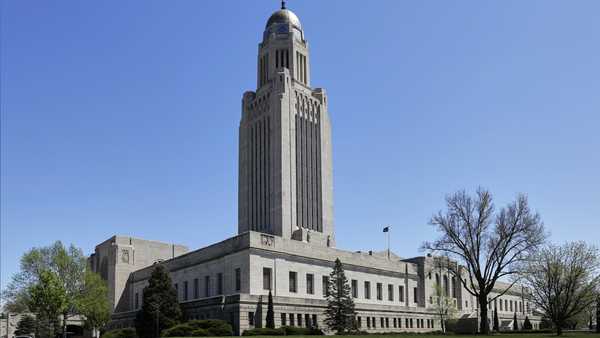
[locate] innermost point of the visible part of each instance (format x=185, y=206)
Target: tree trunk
x=484, y=327
x=559, y=330
x=598, y=314
x=64, y=326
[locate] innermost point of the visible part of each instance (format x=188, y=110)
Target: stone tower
x=285, y=164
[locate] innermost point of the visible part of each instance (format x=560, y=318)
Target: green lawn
x=529, y=335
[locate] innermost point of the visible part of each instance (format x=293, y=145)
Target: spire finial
x=282, y=4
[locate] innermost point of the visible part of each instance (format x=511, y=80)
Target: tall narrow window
x=283, y=319
x=379, y=291
x=416, y=295
x=367, y=290
x=325, y=286
x=446, y=289
x=206, y=286
x=310, y=283
x=354, y=285
x=390, y=292
x=177, y=291
x=220, y=283
x=196, y=288
x=266, y=278
x=453, y=287
x=238, y=279
x=137, y=301
x=293, y=281
x=185, y=290
x=401, y=293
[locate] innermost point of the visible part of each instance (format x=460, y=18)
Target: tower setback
x=285, y=164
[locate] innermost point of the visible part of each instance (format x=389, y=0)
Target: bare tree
x=490, y=246
x=563, y=280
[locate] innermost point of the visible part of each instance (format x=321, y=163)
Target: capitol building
x=286, y=239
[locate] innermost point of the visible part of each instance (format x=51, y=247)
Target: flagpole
x=388, y=238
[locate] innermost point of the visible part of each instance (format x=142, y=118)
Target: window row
x=199, y=288
x=508, y=305
x=310, y=286
x=291, y=319
x=384, y=322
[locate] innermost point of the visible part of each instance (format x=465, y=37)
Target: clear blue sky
x=121, y=117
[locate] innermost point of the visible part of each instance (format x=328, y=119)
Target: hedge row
x=120, y=333
x=284, y=331
x=200, y=328
x=528, y=331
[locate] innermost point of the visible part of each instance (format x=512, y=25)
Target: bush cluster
x=302, y=331
x=264, y=332
x=121, y=333
x=544, y=331
x=284, y=331
x=200, y=328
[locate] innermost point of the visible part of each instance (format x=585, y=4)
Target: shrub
x=121, y=333
x=544, y=331
x=302, y=331
x=527, y=324
x=264, y=332
x=180, y=330
x=199, y=333
x=462, y=326
x=213, y=327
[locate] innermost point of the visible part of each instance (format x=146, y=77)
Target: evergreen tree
x=25, y=326
x=515, y=323
x=340, y=313
x=160, y=307
x=496, y=321
x=527, y=324
x=270, y=313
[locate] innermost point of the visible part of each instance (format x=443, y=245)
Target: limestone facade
x=285, y=242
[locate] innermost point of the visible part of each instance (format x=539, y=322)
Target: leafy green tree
x=339, y=315
x=496, y=321
x=25, y=326
x=68, y=264
x=93, y=302
x=515, y=323
x=160, y=307
x=270, y=313
x=48, y=299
